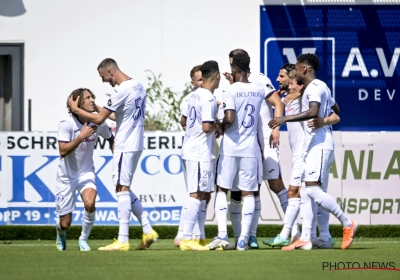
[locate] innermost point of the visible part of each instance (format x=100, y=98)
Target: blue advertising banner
x=358, y=47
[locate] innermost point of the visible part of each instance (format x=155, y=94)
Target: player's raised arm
x=111, y=117
x=94, y=118
x=65, y=148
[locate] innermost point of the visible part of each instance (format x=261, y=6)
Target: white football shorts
x=245, y=168
x=199, y=175
x=66, y=192
x=124, y=166
x=317, y=164
x=297, y=170
x=271, y=163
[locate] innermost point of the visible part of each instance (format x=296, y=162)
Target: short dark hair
x=209, y=69
x=237, y=51
x=241, y=61
x=194, y=70
x=81, y=93
x=310, y=59
x=107, y=62
x=288, y=67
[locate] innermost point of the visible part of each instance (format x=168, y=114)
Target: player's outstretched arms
x=320, y=122
x=312, y=112
x=67, y=148
x=94, y=118
x=111, y=117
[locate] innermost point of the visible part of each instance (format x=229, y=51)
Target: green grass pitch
x=40, y=260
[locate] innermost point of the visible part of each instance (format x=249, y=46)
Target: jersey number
x=249, y=119
x=140, y=108
x=192, y=116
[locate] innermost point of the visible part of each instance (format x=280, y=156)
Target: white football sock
x=323, y=224
x=202, y=219
x=314, y=220
x=137, y=210
x=247, y=217
x=196, y=229
x=306, y=214
x=256, y=216
x=124, y=215
x=87, y=224
x=282, y=195
x=60, y=231
x=221, y=211
x=180, y=228
x=291, y=214
x=327, y=202
x=235, y=209
x=190, y=214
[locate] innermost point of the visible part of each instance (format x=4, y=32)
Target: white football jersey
x=128, y=101
x=320, y=138
x=198, y=145
x=295, y=129
x=240, y=139
x=79, y=161
x=184, y=104
x=266, y=111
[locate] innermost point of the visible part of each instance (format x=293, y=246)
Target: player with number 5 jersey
x=127, y=107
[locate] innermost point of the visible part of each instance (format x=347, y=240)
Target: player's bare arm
x=67, y=148
x=229, y=117
x=111, y=143
x=94, y=118
x=335, y=108
x=291, y=97
x=320, y=122
x=183, y=122
x=312, y=112
x=210, y=127
x=275, y=100
x=229, y=77
x=111, y=117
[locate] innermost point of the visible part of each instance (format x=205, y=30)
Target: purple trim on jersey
x=63, y=141
x=198, y=176
x=212, y=122
x=119, y=168
x=230, y=110
x=269, y=94
x=109, y=109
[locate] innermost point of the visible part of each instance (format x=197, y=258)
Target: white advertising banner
x=365, y=179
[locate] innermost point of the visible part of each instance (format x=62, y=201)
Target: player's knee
x=237, y=196
x=293, y=193
x=89, y=206
x=276, y=185
x=65, y=224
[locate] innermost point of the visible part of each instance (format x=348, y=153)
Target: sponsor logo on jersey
x=109, y=102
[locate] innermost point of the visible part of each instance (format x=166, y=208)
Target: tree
x=164, y=102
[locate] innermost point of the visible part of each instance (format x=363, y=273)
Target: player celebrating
x=198, y=231
x=76, y=140
x=239, y=147
x=269, y=141
x=318, y=145
x=128, y=102
x=197, y=152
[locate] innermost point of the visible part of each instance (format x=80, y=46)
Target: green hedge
x=168, y=232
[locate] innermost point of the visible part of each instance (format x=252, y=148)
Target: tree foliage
x=164, y=103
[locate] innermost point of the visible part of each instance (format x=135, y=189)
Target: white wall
x=66, y=40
